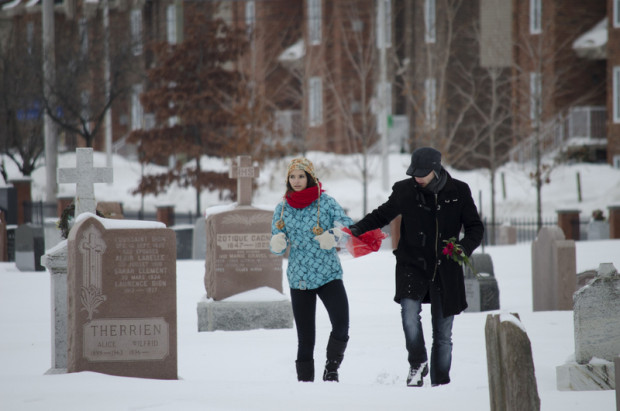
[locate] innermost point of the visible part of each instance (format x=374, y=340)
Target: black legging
x=335, y=300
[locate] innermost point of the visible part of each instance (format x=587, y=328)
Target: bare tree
x=78, y=100
x=21, y=113
x=352, y=80
x=546, y=78
x=423, y=73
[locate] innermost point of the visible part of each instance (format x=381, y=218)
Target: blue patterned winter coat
x=309, y=266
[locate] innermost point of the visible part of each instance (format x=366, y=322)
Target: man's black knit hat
x=423, y=161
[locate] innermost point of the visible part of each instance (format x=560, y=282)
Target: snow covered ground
x=254, y=370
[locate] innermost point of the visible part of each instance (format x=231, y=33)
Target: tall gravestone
x=122, y=317
x=481, y=287
x=554, y=270
x=238, y=260
x=596, y=317
x=512, y=380
x=55, y=260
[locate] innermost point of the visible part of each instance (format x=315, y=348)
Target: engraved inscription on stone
x=126, y=339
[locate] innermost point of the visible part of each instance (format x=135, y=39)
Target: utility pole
x=383, y=94
x=108, y=84
x=49, y=77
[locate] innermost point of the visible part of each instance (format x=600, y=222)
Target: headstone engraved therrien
x=122, y=300
x=238, y=260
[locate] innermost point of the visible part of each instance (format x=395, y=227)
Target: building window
x=535, y=96
x=314, y=21
x=616, y=94
x=315, y=102
x=137, y=112
x=430, y=102
x=171, y=23
x=250, y=16
x=429, y=21
x=616, y=12
x=136, y=32
x=535, y=16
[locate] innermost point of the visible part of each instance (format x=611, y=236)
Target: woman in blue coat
x=305, y=221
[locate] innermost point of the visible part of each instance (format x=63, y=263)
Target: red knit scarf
x=303, y=198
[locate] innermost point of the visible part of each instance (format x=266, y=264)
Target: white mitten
x=328, y=239
x=278, y=243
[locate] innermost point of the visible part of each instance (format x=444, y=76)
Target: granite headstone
x=596, y=317
x=481, y=287
x=122, y=299
x=554, y=270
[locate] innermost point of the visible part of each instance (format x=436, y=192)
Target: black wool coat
x=427, y=220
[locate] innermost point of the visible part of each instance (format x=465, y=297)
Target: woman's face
x=297, y=179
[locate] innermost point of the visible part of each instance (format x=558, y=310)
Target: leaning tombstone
x=238, y=261
x=554, y=270
x=481, y=289
x=121, y=286
x=29, y=247
x=512, y=381
x=596, y=317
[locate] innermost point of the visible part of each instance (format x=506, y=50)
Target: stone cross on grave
x=84, y=175
x=244, y=172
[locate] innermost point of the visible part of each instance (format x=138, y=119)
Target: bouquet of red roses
x=455, y=252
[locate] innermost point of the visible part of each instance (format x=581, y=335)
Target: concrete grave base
x=244, y=315
x=586, y=377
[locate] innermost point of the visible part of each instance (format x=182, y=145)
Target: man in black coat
x=434, y=207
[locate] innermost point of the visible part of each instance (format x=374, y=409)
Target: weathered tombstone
x=29, y=247
x=8, y=204
x=554, y=270
x=199, y=243
x=121, y=290
x=184, y=235
x=597, y=334
x=512, y=381
x=481, y=287
x=238, y=260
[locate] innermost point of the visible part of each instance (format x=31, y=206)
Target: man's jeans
x=441, y=353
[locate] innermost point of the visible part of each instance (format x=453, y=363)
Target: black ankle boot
x=305, y=370
x=335, y=355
